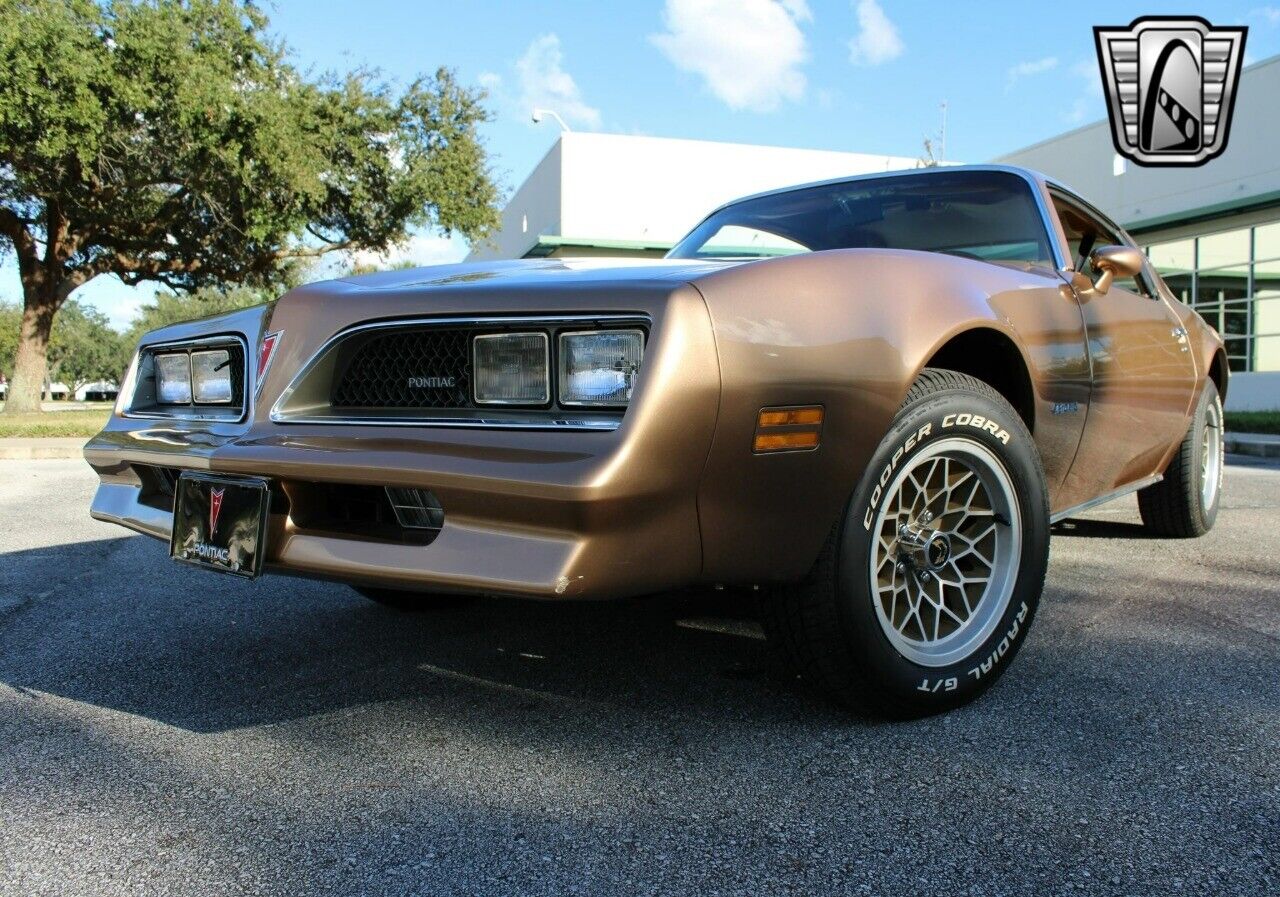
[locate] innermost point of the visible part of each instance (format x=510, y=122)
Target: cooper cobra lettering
x=977, y=421
x=902, y=451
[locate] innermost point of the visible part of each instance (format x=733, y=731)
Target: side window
x=1086, y=233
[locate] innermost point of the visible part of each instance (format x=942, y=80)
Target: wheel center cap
x=923, y=549
x=938, y=551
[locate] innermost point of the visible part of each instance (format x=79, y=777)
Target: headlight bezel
x=557, y=393
x=139, y=394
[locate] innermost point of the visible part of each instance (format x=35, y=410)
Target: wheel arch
x=1218, y=372
x=989, y=355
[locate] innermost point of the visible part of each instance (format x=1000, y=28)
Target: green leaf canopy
x=173, y=141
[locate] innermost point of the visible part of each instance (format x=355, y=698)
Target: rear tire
x=925, y=589
x=413, y=601
x=1184, y=504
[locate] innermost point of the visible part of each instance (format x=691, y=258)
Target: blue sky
x=855, y=75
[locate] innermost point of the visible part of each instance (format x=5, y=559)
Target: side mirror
x=1113, y=262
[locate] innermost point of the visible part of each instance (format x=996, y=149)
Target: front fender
x=848, y=330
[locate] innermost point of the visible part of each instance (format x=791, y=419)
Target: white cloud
x=1027, y=69
x=544, y=82
x=1088, y=71
x=106, y=293
x=1091, y=102
x=1079, y=112
x=1269, y=14
x=877, y=40
x=748, y=52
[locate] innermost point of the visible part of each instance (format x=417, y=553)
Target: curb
x=1252, y=444
x=15, y=449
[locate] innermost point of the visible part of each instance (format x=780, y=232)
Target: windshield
x=988, y=215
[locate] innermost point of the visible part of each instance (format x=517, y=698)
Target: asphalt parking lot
x=169, y=731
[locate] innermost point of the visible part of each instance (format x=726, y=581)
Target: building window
x=1266, y=293
x=1233, y=279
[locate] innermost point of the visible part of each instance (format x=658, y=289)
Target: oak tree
x=84, y=349
x=174, y=141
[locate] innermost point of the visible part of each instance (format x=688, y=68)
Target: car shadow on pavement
x=445, y=749
x=1079, y=527
x=115, y=624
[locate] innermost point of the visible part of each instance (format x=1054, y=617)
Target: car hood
x=539, y=273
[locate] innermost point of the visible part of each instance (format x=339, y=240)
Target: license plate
x=220, y=523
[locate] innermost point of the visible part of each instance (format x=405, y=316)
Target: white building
x=616, y=194
x=51, y=392
x=100, y=391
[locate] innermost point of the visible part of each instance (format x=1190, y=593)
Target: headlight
x=173, y=378
x=512, y=369
x=599, y=367
x=211, y=376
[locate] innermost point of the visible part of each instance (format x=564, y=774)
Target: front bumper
x=539, y=513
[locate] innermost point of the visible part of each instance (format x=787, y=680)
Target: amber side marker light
x=797, y=428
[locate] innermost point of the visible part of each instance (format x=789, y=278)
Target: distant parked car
x=869, y=397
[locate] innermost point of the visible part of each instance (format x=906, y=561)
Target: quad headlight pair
x=201, y=376
x=594, y=367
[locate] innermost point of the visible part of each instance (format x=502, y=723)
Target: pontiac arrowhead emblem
x=1171, y=87
x=215, y=508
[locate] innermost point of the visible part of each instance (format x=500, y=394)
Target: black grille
x=406, y=369
x=157, y=485
x=361, y=512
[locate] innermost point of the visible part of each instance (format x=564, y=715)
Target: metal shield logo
x=1171, y=87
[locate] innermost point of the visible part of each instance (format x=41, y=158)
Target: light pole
x=539, y=113
x=942, y=150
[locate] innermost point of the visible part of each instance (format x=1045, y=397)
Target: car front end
x=531, y=429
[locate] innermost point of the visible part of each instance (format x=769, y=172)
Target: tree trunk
x=33, y=349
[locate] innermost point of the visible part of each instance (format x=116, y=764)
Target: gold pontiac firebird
x=869, y=397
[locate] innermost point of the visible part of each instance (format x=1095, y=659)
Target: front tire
x=927, y=586
x=1184, y=504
